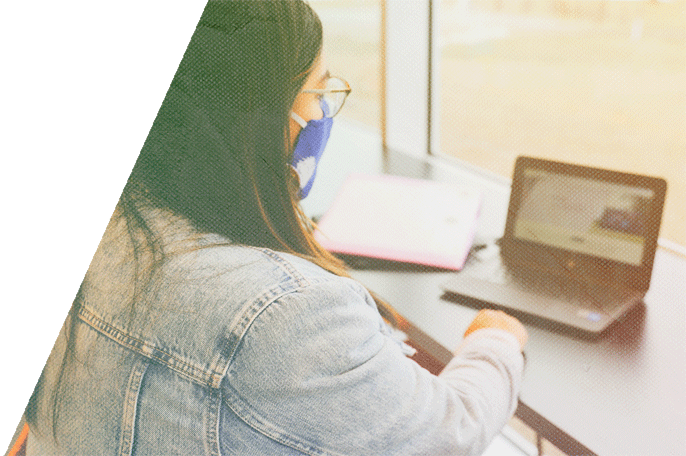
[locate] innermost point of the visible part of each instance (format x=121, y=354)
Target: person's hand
x=498, y=319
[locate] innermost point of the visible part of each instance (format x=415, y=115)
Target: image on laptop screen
x=592, y=217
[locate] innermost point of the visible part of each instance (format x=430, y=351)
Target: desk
x=624, y=394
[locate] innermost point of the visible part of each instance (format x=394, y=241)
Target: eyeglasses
x=332, y=96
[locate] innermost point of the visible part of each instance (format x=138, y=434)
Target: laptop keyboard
x=563, y=288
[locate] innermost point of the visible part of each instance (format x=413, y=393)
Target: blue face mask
x=309, y=148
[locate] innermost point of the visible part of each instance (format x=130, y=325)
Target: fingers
x=487, y=318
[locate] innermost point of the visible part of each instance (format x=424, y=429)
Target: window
x=601, y=83
x=352, y=45
x=596, y=82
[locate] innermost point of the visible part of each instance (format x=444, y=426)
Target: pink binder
x=402, y=219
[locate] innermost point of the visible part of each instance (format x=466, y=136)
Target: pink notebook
x=402, y=219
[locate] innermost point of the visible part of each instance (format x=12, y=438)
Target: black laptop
x=578, y=247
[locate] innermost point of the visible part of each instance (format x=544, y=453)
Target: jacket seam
x=130, y=407
x=286, y=265
x=247, y=317
x=212, y=423
x=269, y=430
x=247, y=414
x=237, y=330
x=146, y=349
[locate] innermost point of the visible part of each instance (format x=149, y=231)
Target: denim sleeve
x=318, y=372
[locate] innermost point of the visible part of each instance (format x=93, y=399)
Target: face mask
x=309, y=149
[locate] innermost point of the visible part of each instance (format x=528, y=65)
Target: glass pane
x=594, y=82
x=352, y=37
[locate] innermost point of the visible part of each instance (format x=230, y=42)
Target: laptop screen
x=594, y=217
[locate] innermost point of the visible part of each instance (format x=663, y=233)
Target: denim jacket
x=235, y=350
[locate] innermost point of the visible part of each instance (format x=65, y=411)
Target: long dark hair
x=216, y=153
x=218, y=150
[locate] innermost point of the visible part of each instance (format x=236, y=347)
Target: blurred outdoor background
x=594, y=82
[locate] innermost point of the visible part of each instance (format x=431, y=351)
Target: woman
x=211, y=322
